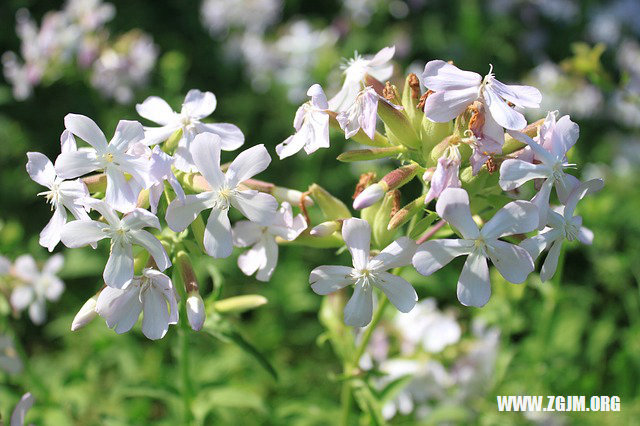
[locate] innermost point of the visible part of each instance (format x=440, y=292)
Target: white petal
x=382, y=57
x=318, y=127
x=67, y=142
x=25, y=268
x=156, y=109
x=517, y=217
x=86, y=129
x=585, y=235
x=55, y=288
x=453, y=206
x=538, y=243
x=432, y=255
x=565, y=186
x=38, y=311
x=247, y=164
x=591, y=186
x=522, y=96
x=359, y=309
x=119, y=194
x=70, y=165
x=205, y=151
x=439, y=75
x=551, y=261
x=127, y=133
x=155, y=135
x=513, y=262
x=40, y=169
x=218, y=241
x=231, y=137
x=501, y=112
x=119, y=268
x=564, y=135
x=446, y=105
x=318, y=98
x=541, y=201
x=120, y=308
x=255, y=206
x=181, y=213
x=155, y=319
x=153, y=246
x=103, y=208
x=398, y=290
x=357, y=236
x=199, y=104
x=540, y=152
x=398, y=253
x=246, y=233
x=474, y=287
x=53, y=265
x=251, y=260
x=327, y=279
x=292, y=145
x=140, y=218
x=20, y=411
x=271, y=251
x=514, y=173
x=82, y=232
x=50, y=235
x=21, y=297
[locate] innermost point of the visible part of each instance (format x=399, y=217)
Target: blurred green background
x=577, y=335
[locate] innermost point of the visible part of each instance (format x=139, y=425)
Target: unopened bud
x=195, y=311
x=96, y=183
x=86, y=314
x=331, y=207
x=381, y=235
x=371, y=153
x=326, y=228
x=403, y=215
x=398, y=124
x=432, y=133
x=291, y=196
x=400, y=176
x=410, y=98
x=371, y=195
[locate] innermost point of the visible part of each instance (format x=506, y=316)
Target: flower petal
x=70, y=165
x=522, y=96
x=359, y=309
x=398, y=253
x=155, y=319
x=432, y=255
x=156, y=109
x=50, y=235
x=254, y=258
x=517, y=217
x=40, y=169
x=119, y=195
x=119, y=268
x=140, y=218
x=180, y=213
x=82, y=232
x=218, y=240
x=440, y=75
x=20, y=411
x=513, y=262
x=255, y=206
x=327, y=279
x=564, y=135
x=551, y=261
x=53, y=265
x=199, y=104
x=127, y=133
x=86, y=129
x=246, y=233
x=38, y=311
x=588, y=187
x=514, y=173
x=153, y=246
x=398, y=290
x=539, y=243
x=501, y=112
x=357, y=236
x=21, y=297
x=446, y=105
x=541, y=201
x=292, y=145
x=120, y=308
x=231, y=137
x=453, y=206
x=271, y=259
x=247, y=164
x=474, y=286
x=205, y=151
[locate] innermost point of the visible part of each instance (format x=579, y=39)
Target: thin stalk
x=345, y=399
x=185, y=373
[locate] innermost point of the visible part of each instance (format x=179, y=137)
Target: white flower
x=562, y=226
x=62, y=195
x=355, y=72
x=123, y=234
x=515, y=172
x=151, y=293
x=513, y=262
x=445, y=175
x=263, y=254
x=454, y=90
x=312, y=126
x=367, y=273
x=112, y=157
x=361, y=114
x=38, y=285
x=226, y=191
x=196, y=106
x=20, y=410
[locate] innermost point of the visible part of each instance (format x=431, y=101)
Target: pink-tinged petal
x=253, y=259
x=514, y=263
x=156, y=109
x=445, y=176
x=255, y=206
x=127, y=133
x=453, y=206
x=432, y=255
x=540, y=152
x=271, y=259
x=246, y=233
x=199, y=104
x=517, y=217
x=551, y=261
x=515, y=173
x=38, y=311
x=400, y=293
x=155, y=319
x=231, y=137
x=398, y=253
x=446, y=105
x=50, y=235
x=153, y=246
x=440, y=75
x=218, y=240
x=247, y=164
x=40, y=169
x=541, y=201
x=155, y=135
x=21, y=297
x=318, y=131
x=82, y=232
x=87, y=130
x=501, y=112
x=565, y=186
x=357, y=236
x=120, y=308
x=327, y=279
x=563, y=136
x=205, y=151
x=369, y=112
x=180, y=213
x=359, y=309
x=140, y=218
x=20, y=411
x=369, y=196
x=70, y=165
x=538, y=243
x=589, y=187
x=119, y=195
x=119, y=268
x=522, y=96
x=318, y=98
x=183, y=159
x=474, y=286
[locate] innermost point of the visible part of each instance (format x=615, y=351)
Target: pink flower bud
x=370, y=195
x=325, y=229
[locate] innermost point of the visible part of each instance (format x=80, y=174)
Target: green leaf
x=392, y=388
x=239, y=304
x=422, y=225
x=368, y=402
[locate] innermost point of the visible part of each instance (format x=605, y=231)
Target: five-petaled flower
x=124, y=233
x=263, y=254
x=196, y=106
x=151, y=293
x=367, y=273
x=226, y=190
x=513, y=262
x=362, y=113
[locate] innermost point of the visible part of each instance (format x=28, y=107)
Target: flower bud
x=195, y=311
x=331, y=207
x=239, y=304
x=360, y=137
x=96, y=183
x=432, y=133
x=371, y=153
x=398, y=124
x=381, y=235
x=400, y=176
x=291, y=196
x=371, y=195
x=410, y=98
x=403, y=215
x=326, y=228
x=86, y=313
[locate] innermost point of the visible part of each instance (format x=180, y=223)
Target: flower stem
x=345, y=400
x=185, y=373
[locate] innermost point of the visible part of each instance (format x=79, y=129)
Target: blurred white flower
x=37, y=285
x=9, y=359
x=253, y=16
x=428, y=327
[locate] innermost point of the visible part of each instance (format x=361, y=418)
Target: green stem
x=185, y=373
x=345, y=400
